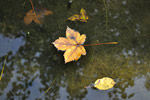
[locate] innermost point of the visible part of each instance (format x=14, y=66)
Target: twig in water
x=48, y=88
x=3, y=68
x=106, y=13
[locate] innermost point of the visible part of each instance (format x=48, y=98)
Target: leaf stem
x=100, y=44
x=32, y=5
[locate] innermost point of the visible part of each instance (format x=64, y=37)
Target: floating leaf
x=82, y=17
x=36, y=15
x=104, y=83
x=72, y=45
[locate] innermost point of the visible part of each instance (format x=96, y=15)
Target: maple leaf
x=82, y=17
x=72, y=45
x=36, y=15
x=104, y=83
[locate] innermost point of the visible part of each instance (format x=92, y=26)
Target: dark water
x=34, y=64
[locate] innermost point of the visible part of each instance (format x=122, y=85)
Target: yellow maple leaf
x=82, y=17
x=36, y=15
x=104, y=83
x=72, y=45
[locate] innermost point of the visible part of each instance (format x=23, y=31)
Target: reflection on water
x=139, y=85
x=34, y=65
x=9, y=45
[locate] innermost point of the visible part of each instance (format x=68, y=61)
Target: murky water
x=34, y=65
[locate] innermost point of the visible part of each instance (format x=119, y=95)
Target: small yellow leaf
x=82, y=17
x=74, y=18
x=72, y=45
x=82, y=12
x=104, y=83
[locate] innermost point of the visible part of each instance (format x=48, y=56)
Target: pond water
x=35, y=69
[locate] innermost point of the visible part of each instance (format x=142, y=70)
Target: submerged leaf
x=104, y=83
x=36, y=15
x=72, y=45
x=82, y=17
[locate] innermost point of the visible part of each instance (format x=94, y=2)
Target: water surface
x=35, y=65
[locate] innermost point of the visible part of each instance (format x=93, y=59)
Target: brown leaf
x=36, y=15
